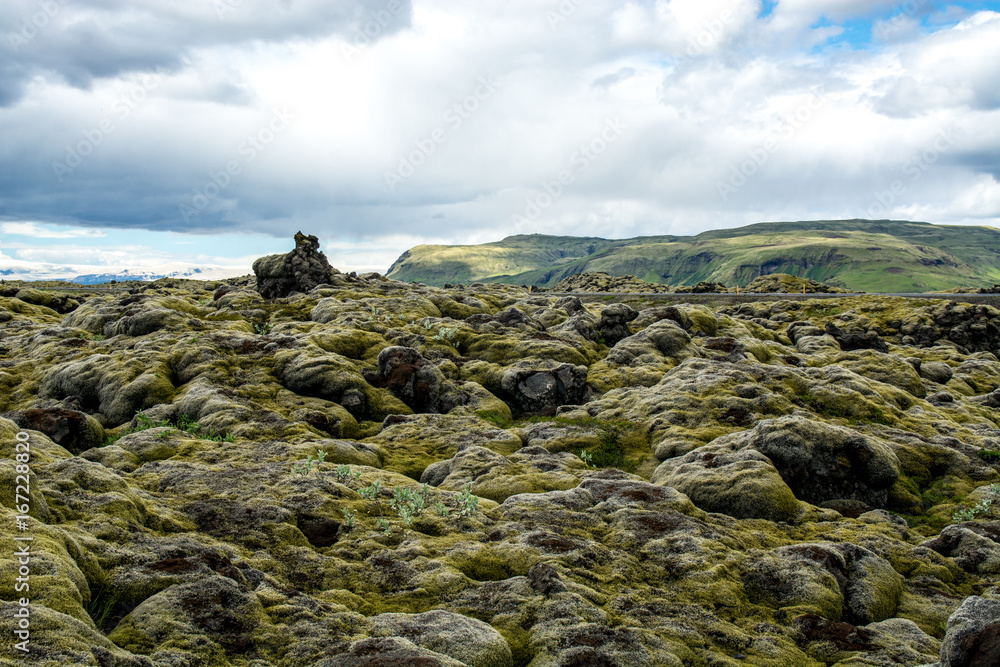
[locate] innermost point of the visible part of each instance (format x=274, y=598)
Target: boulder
x=840, y=581
x=727, y=478
x=974, y=545
x=467, y=640
x=761, y=472
x=205, y=616
x=613, y=324
x=661, y=339
x=540, y=390
x=409, y=376
x=936, y=371
x=854, y=340
x=821, y=461
x=972, y=637
x=387, y=652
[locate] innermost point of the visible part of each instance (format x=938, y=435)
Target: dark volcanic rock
x=849, y=340
x=825, y=462
x=513, y=317
x=613, y=324
x=544, y=579
x=706, y=287
x=298, y=271
x=542, y=391
x=405, y=372
x=76, y=431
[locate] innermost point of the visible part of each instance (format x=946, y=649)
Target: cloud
x=609, y=80
x=35, y=230
x=163, y=120
x=957, y=68
x=83, y=40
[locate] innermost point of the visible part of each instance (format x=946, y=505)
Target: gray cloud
x=83, y=40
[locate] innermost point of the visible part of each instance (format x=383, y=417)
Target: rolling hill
x=868, y=255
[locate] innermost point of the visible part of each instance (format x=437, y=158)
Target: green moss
x=352, y=343
x=990, y=455
x=499, y=349
x=497, y=418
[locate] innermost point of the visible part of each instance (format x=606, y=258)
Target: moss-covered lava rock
x=318, y=468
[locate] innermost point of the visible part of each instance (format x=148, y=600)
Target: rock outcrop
x=300, y=270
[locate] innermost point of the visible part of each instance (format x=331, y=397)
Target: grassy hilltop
x=873, y=256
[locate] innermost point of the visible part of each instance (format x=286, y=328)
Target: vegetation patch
x=623, y=444
x=183, y=423
x=991, y=455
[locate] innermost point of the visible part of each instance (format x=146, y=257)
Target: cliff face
x=861, y=255
x=377, y=473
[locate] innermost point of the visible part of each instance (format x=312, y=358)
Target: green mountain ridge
x=868, y=255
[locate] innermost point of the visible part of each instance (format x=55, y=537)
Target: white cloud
x=38, y=231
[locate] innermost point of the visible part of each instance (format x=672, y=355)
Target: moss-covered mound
x=366, y=472
x=783, y=283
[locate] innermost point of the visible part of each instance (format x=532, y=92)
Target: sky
x=145, y=135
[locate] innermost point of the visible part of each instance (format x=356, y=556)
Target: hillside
x=871, y=256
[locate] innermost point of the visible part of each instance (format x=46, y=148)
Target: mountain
x=101, y=278
x=126, y=274
x=868, y=255
x=90, y=274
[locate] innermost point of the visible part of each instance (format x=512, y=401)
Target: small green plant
x=372, y=492
x=304, y=468
x=428, y=324
x=262, y=328
x=588, y=458
x=409, y=503
x=349, y=517
x=983, y=508
x=468, y=504
x=446, y=334
x=442, y=509
x=185, y=423
x=343, y=474
x=144, y=421
x=383, y=525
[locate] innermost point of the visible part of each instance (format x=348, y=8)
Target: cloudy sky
x=142, y=134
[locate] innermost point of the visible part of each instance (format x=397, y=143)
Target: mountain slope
x=874, y=256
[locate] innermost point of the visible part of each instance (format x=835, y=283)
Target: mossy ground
x=212, y=406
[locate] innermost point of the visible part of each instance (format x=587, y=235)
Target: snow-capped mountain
x=92, y=275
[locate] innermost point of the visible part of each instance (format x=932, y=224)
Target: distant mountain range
x=34, y=272
x=99, y=278
x=868, y=255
